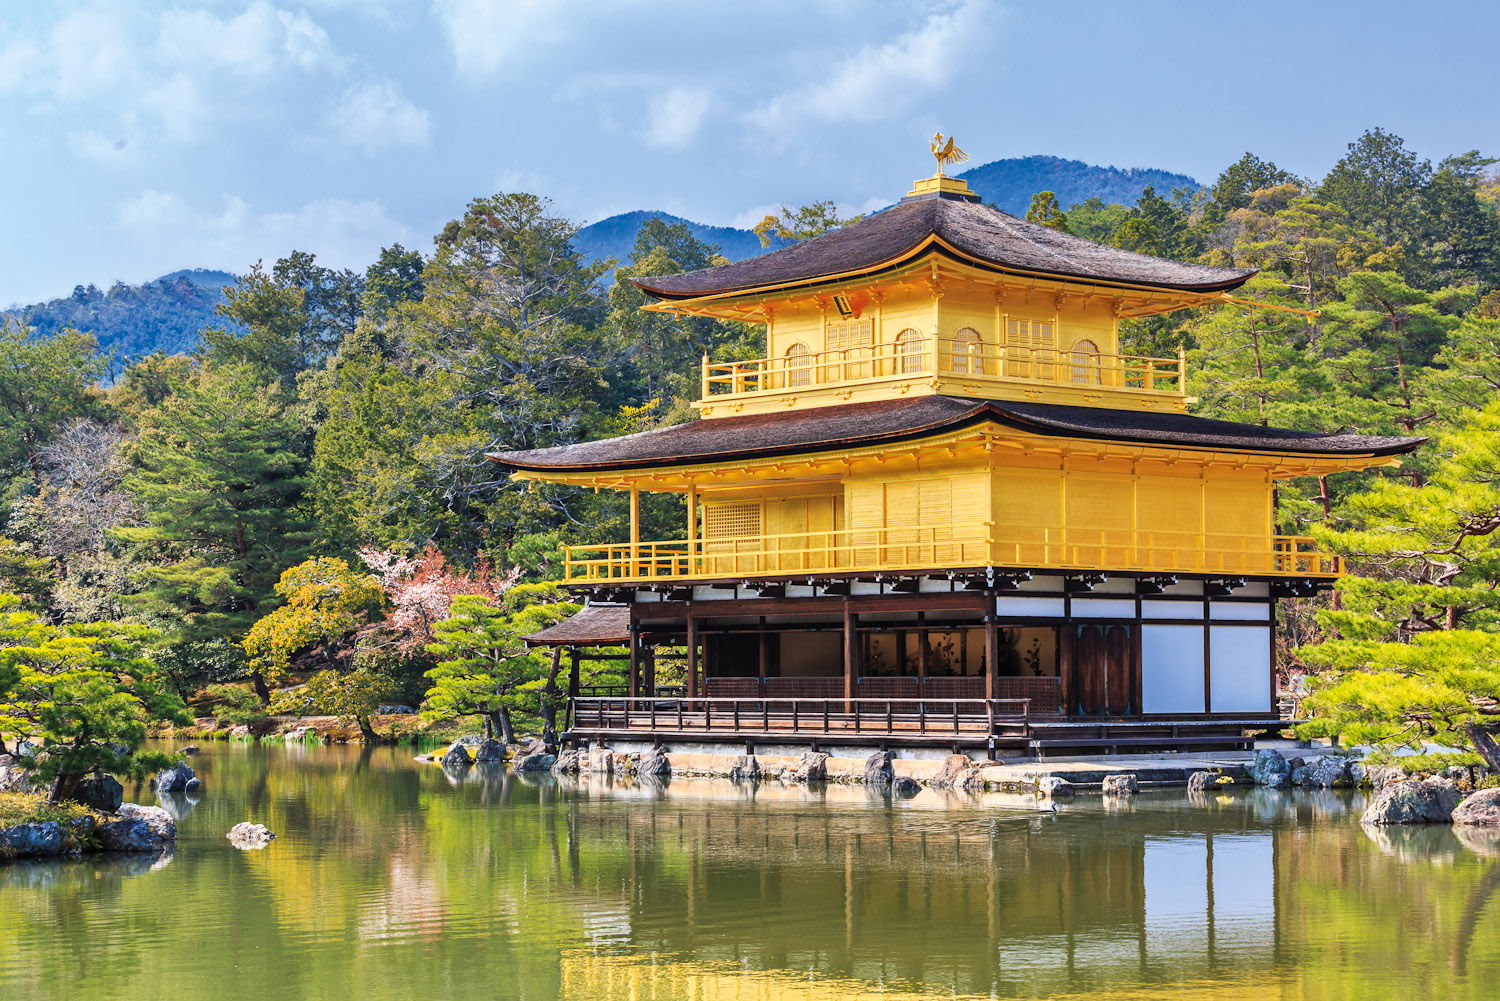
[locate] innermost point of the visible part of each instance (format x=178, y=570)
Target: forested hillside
x=309, y=491
x=1009, y=184
x=134, y=320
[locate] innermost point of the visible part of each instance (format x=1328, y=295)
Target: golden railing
x=953, y=546
x=948, y=357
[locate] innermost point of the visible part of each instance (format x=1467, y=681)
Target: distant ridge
x=1006, y=184
x=615, y=236
x=1009, y=184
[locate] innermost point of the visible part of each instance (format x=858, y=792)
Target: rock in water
x=490, y=750
x=598, y=760
x=32, y=839
x=1055, y=788
x=457, y=756
x=534, y=763
x=568, y=762
x=1121, y=785
x=906, y=786
x=1268, y=762
x=130, y=834
x=1430, y=801
x=954, y=774
x=1481, y=809
x=248, y=836
x=100, y=792
x=174, y=779
x=1328, y=772
x=812, y=766
x=154, y=817
x=190, y=749
x=745, y=767
x=654, y=762
x=1200, y=781
x=878, y=770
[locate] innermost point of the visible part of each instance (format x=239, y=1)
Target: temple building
x=945, y=510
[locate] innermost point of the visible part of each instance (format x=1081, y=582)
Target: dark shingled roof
x=853, y=425
x=592, y=625
x=978, y=231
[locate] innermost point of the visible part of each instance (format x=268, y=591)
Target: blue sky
x=142, y=137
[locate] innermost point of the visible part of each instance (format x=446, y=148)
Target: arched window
x=911, y=352
x=798, y=365
x=967, y=359
x=1086, y=363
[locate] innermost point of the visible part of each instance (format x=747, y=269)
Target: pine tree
x=221, y=478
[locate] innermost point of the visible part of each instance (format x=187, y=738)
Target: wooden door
x=1103, y=670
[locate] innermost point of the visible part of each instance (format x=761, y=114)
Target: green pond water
x=391, y=879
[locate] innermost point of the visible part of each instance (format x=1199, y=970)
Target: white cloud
x=255, y=42
x=881, y=82
x=486, y=35
x=342, y=233
x=675, y=116
x=377, y=115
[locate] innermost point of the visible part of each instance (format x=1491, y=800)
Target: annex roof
x=855, y=425
x=591, y=625
x=955, y=224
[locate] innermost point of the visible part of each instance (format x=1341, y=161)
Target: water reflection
x=392, y=879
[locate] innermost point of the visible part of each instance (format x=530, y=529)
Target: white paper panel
x=1240, y=661
x=1172, y=669
x=1238, y=611
x=1104, y=608
x=1052, y=607
x=1171, y=609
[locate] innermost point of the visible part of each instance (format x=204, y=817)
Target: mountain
x=1009, y=184
x=133, y=320
x=615, y=236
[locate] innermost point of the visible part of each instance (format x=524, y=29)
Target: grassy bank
x=31, y=808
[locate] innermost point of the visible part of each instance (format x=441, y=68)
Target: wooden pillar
x=648, y=668
x=692, y=528
x=991, y=651
x=572, y=672
x=851, y=650
x=765, y=655
x=635, y=661
x=635, y=531
x=692, y=652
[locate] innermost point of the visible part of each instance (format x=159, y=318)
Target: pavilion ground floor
x=1008, y=664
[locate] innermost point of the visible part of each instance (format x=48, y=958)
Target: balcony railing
x=947, y=357
x=955, y=546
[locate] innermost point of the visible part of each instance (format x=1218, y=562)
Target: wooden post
x=692, y=651
x=692, y=528
x=991, y=651
x=635, y=661
x=573, y=672
x=648, y=662
x=765, y=655
x=635, y=530
x=851, y=652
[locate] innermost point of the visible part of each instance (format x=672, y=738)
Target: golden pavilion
x=945, y=511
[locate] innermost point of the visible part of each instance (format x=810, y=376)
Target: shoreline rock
x=1424, y=801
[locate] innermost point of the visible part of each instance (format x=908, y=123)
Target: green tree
x=394, y=278
x=1239, y=181
x=1046, y=211
x=788, y=225
x=1379, y=183
x=323, y=602
x=353, y=696
x=45, y=384
x=85, y=693
x=222, y=481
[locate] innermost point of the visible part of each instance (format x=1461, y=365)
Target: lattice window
x=1086, y=363
x=911, y=352
x=731, y=521
x=966, y=352
x=1029, y=341
x=798, y=365
x=848, y=334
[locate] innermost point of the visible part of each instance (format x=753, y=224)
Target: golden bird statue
x=946, y=152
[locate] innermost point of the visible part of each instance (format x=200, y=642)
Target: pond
x=393, y=880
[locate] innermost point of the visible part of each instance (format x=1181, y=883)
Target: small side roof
x=983, y=235
x=591, y=625
x=852, y=425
